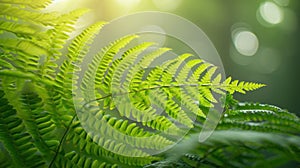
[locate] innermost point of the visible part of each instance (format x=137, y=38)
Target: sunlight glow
x=128, y=3
x=167, y=5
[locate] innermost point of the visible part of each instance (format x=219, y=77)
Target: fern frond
x=78, y=48
x=34, y=4
x=35, y=120
x=117, y=85
x=58, y=37
x=258, y=106
x=261, y=118
x=22, y=46
x=107, y=54
x=233, y=148
x=187, y=95
x=23, y=75
x=15, y=137
x=172, y=108
x=37, y=46
x=5, y=158
x=250, y=141
x=83, y=147
x=115, y=130
x=98, y=67
x=10, y=12
x=236, y=86
x=17, y=28
x=161, y=99
x=28, y=54
x=38, y=123
x=4, y=63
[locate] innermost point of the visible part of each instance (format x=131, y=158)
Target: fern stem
x=61, y=141
x=167, y=86
x=150, y=88
x=137, y=91
x=158, y=87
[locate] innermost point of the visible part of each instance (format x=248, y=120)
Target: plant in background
x=122, y=110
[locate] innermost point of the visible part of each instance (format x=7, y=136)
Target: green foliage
x=39, y=126
x=249, y=135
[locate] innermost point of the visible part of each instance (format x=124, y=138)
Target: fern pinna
x=55, y=113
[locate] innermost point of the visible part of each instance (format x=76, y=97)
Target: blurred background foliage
x=257, y=40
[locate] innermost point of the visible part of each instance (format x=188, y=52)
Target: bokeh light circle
x=245, y=42
x=270, y=14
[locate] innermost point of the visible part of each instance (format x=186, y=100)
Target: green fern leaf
x=15, y=137
x=35, y=4
x=261, y=118
x=236, y=86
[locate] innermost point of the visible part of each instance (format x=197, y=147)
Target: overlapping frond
x=77, y=50
x=34, y=4
x=260, y=117
x=83, y=151
x=232, y=148
x=249, y=134
x=28, y=133
x=32, y=38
